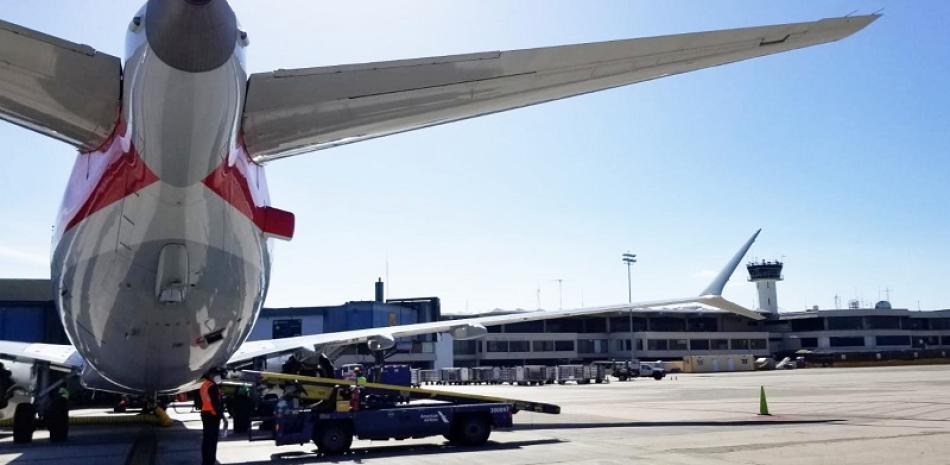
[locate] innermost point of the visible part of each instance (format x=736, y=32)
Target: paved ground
x=820, y=416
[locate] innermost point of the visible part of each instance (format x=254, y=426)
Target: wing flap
x=57, y=354
x=58, y=88
x=294, y=111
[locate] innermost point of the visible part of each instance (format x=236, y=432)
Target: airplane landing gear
x=24, y=423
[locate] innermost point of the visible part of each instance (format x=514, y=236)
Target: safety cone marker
x=763, y=404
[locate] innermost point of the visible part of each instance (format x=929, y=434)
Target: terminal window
x=595, y=325
x=758, y=344
x=923, y=341
x=464, y=347
x=850, y=341
x=619, y=324
x=542, y=346
x=808, y=324
x=286, y=328
x=679, y=344
x=657, y=344
x=845, y=322
x=518, y=346
x=592, y=346
x=913, y=323
x=739, y=344
x=699, y=344
x=525, y=327
x=884, y=322
x=496, y=346
x=809, y=342
x=893, y=340
x=719, y=344
x=564, y=325
x=564, y=346
x=667, y=324
x=702, y=324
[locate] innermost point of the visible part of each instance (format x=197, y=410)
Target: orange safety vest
x=207, y=406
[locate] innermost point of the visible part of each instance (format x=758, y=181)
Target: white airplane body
x=162, y=255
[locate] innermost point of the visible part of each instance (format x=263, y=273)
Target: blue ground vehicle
x=343, y=409
x=333, y=432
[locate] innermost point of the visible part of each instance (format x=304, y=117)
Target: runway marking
x=143, y=449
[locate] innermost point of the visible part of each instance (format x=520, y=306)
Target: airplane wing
x=292, y=111
x=57, y=354
x=58, y=88
x=470, y=328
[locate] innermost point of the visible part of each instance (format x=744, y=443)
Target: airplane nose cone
x=191, y=35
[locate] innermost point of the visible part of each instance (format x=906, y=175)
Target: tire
x=23, y=423
x=58, y=425
x=333, y=438
x=471, y=430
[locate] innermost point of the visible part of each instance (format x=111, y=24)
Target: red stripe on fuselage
x=101, y=178
x=241, y=183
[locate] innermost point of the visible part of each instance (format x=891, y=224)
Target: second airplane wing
x=289, y=112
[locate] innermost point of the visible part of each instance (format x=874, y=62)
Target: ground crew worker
x=355, y=394
x=358, y=372
x=212, y=410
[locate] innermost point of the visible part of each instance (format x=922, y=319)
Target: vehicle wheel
x=599, y=380
x=471, y=430
x=334, y=438
x=58, y=424
x=118, y=409
x=23, y=423
x=657, y=377
x=622, y=378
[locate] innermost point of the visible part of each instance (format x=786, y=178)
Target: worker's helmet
x=357, y=369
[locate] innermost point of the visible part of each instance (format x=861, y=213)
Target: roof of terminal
x=835, y=312
x=26, y=290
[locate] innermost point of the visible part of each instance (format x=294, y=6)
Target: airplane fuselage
x=160, y=265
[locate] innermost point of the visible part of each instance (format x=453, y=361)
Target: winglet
x=716, y=286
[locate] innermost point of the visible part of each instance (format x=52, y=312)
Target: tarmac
x=881, y=415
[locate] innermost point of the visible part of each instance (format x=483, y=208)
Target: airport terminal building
x=27, y=313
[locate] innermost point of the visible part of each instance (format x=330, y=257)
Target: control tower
x=765, y=274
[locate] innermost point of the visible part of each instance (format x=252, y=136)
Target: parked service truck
x=629, y=369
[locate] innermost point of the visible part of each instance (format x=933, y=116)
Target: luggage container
x=430, y=376
x=486, y=375
x=534, y=375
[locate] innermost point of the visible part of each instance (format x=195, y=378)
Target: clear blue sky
x=839, y=152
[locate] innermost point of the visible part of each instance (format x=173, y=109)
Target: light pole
x=630, y=259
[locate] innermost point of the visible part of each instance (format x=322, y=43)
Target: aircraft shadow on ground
x=356, y=455
x=660, y=424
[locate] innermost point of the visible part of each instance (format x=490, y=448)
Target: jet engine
x=468, y=331
x=16, y=380
x=380, y=342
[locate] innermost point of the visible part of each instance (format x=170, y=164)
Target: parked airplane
x=162, y=252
